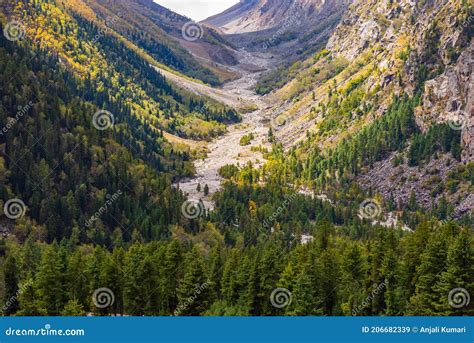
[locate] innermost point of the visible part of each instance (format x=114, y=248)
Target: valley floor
x=226, y=149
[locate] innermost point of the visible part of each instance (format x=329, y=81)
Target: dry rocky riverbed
x=226, y=149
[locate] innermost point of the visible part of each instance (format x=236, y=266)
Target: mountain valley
x=320, y=147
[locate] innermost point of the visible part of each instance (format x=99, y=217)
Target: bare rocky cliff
x=385, y=46
x=290, y=30
x=259, y=15
x=379, y=49
x=449, y=97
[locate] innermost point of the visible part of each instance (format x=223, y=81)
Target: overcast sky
x=197, y=9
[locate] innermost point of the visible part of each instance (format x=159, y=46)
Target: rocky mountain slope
x=450, y=96
x=260, y=15
x=160, y=31
x=381, y=49
x=98, y=38
x=291, y=29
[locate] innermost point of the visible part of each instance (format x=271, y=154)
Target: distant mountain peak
x=259, y=15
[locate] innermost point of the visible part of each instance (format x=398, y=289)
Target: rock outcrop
x=449, y=98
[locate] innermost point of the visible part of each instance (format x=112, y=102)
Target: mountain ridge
x=260, y=15
x=288, y=30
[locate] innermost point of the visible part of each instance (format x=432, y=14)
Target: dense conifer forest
x=101, y=209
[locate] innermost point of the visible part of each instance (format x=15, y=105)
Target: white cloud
x=197, y=9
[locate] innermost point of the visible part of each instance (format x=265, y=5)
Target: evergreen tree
x=306, y=296
x=172, y=270
x=229, y=277
x=73, y=308
x=10, y=271
x=112, y=276
x=50, y=286
x=329, y=280
x=269, y=268
x=215, y=269
x=457, y=276
x=193, y=291
x=29, y=304
x=352, y=279
x=78, y=278
x=390, y=289
x=433, y=264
